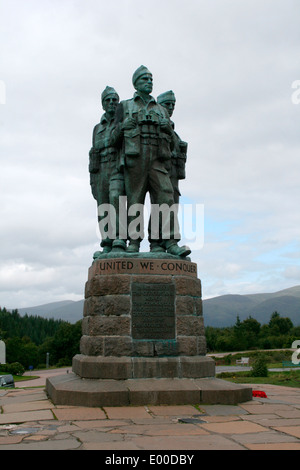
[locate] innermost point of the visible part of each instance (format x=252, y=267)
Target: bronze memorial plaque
x=153, y=311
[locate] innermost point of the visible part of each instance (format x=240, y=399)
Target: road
x=42, y=374
x=223, y=354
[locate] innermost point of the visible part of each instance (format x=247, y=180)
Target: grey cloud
x=231, y=65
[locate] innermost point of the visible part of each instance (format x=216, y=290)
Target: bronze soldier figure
x=104, y=178
x=144, y=134
x=179, y=152
x=177, y=166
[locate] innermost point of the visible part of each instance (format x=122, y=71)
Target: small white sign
x=2, y=352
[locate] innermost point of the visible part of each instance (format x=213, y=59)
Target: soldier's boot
x=133, y=247
x=176, y=250
x=118, y=246
x=106, y=249
x=156, y=247
x=97, y=255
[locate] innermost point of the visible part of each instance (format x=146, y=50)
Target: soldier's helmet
x=142, y=70
x=108, y=91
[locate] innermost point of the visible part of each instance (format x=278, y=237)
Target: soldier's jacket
x=147, y=131
x=179, y=155
x=102, y=149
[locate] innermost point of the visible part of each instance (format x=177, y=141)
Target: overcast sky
x=231, y=64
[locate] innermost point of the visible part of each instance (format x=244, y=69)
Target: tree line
x=28, y=339
x=248, y=334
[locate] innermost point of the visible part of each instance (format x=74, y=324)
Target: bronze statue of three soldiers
x=135, y=151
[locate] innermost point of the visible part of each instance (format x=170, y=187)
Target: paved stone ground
x=29, y=421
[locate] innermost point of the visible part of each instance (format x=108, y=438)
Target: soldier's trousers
x=107, y=185
x=145, y=173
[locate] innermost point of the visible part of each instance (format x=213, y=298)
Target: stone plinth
x=142, y=327
x=148, y=308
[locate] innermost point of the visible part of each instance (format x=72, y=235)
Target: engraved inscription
x=153, y=311
x=143, y=266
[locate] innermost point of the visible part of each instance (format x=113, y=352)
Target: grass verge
x=21, y=378
x=286, y=378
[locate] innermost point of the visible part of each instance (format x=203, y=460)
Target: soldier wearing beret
x=178, y=160
x=144, y=134
x=102, y=164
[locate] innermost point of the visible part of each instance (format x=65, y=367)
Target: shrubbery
x=250, y=334
x=28, y=339
x=259, y=367
x=15, y=368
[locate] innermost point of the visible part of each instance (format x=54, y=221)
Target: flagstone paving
x=30, y=421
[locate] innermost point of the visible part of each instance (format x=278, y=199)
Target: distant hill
x=67, y=310
x=222, y=310
x=218, y=311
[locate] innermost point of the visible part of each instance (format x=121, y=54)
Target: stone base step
x=121, y=368
x=70, y=389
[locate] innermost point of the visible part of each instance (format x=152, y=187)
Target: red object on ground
x=259, y=394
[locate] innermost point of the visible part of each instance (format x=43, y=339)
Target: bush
x=64, y=362
x=227, y=359
x=15, y=368
x=230, y=375
x=259, y=367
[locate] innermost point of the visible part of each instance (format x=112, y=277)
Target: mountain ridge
x=219, y=311
x=222, y=311
x=67, y=310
